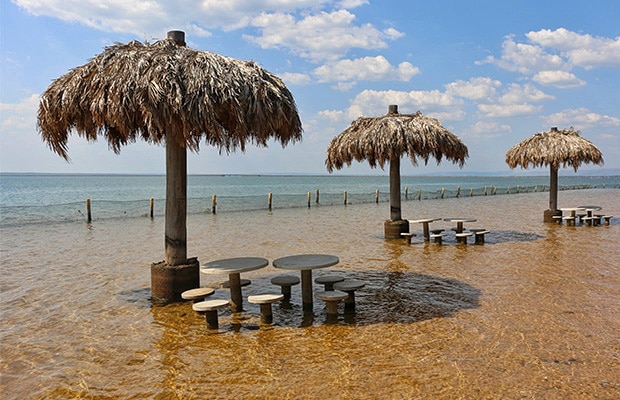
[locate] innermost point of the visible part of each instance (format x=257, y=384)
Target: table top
x=421, y=221
x=593, y=208
x=234, y=265
x=572, y=209
x=306, y=261
x=460, y=219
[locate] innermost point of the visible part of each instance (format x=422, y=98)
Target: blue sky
x=493, y=72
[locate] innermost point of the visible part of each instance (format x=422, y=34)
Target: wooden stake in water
x=420, y=194
x=88, y=214
x=345, y=197
x=213, y=203
x=317, y=196
x=458, y=192
x=152, y=206
x=377, y=196
x=443, y=190
x=485, y=190
x=309, y=198
x=269, y=198
x=406, y=192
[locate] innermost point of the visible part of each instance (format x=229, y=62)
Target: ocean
x=533, y=313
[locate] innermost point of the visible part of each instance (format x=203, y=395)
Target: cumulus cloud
x=474, y=89
x=295, y=78
x=322, y=36
x=374, y=102
x=152, y=17
x=579, y=49
x=561, y=79
x=489, y=127
x=20, y=116
x=581, y=118
x=367, y=68
x=549, y=56
x=507, y=110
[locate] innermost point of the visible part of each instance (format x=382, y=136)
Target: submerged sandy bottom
x=532, y=314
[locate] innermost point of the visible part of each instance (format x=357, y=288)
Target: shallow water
x=532, y=314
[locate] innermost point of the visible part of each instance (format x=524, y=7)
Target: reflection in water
x=531, y=314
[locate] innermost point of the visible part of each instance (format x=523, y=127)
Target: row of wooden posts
x=492, y=190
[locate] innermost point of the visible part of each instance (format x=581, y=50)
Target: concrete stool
x=607, y=218
x=328, y=281
x=197, y=294
x=569, y=220
x=265, y=300
x=331, y=299
x=462, y=237
x=244, y=282
x=479, y=235
x=285, y=281
x=558, y=219
x=407, y=236
x=438, y=237
x=349, y=287
x=210, y=307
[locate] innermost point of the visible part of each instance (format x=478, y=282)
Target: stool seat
x=209, y=308
x=265, y=298
x=209, y=305
x=328, y=281
x=244, y=282
x=351, y=284
x=198, y=293
x=285, y=282
x=331, y=299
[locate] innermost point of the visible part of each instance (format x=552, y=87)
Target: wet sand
x=532, y=314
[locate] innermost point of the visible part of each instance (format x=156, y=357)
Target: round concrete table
x=234, y=267
x=425, y=222
x=459, y=222
x=306, y=263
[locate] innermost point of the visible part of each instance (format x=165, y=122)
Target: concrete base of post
x=393, y=229
x=549, y=214
x=168, y=282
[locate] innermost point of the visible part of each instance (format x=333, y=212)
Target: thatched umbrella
x=386, y=139
x=166, y=93
x=554, y=148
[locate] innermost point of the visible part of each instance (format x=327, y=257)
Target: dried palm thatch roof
x=165, y=91
x=555, y=148
x=391, y=136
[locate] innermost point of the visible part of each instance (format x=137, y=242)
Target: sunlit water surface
x=532, y=314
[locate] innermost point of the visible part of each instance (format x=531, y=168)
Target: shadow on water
x=387, y=297
x=495, y=237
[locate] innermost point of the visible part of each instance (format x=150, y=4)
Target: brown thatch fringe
x=165, y=91
x=391, y=136
x=555, y=148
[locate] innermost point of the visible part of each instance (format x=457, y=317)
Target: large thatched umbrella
x=554, y=148
x=386, y=139
x=167, y=93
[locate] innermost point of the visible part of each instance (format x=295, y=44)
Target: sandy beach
x=532, y=314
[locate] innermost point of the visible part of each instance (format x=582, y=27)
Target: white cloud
x=332, y=115
x=580, y=49
x=19, y=116
x=523, y=93
x=581, y=118
x=367, y=69
x=489, y=127
x=373, y=102
x=323, y=36
x=295, y=78
x=561, y=79
x=507, y=110
x=526, y=58
x=474, y=89
x=144, y=17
